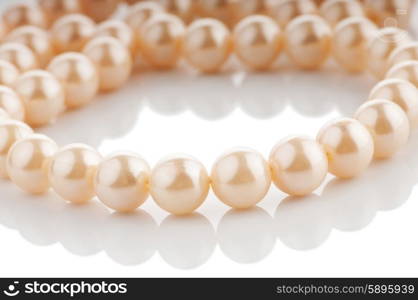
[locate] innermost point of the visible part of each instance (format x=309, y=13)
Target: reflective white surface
x=362, y=227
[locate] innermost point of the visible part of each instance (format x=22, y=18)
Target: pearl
x=388, y=125
x=308, y=41
x=141, y=12
x=160, y=40
x=334, y=11
x=407, y=70
x=207, y=45
x=55, y=9
x=8, y=73
x=299, y=165
x=350, y=43
x=72, y=32
x=409, y=51
x=122, y=181
x=23, y=14
x=72, y=172
x=3, y=115
x=241, y=178
x=78, y=76
x=113, y=62
x=287, y=10
x=348, y=145
x=42, y=95
x=381, y=47
x=99, y=10
x=10, y=133
x=119, y=30
x=11, y=103
x=401, y=92
x=257, y=41
x=36, y=39
x=28, y=162
x=19, y=55
x=387, y=12
x=179, y=184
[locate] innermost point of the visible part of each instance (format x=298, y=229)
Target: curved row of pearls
x=240, y=177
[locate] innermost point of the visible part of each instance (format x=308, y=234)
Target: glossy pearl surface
x=348, y=145
x=72, y=172
x=36, y=39
x=161, y=39
x=207, y=45
x=257, y=41
x=78, y=76
x=42, y=95
x=299, y=165
x=28, y=162
x=350, y=43
x=8, y=73
x=407, y=70
x=112, y=60
x=72, y=32
x=388, y=125
x=381, y=47
x=10, y=133
x=19, y=55
x=141, y=12
x=179, y=184
x=120, y=31
x=122, y=181
x=308, y=41
x=286, y=10
x=55, y=9
x=334, y=11
x=409, y=51
x=241, y=178
x=23, y=14
x=11, y=103
x=401, y=92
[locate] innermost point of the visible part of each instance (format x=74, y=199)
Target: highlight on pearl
x=78, y=76
x=207, y=45
x=141, y=12
x=348, y=145
x=11, y=103
x=23, y=14
x=19, y=55
x=8, y=73
x=335, y=11
x=299, y=165
x=28, y=162
x=407, y=70
x=55, y=9
x=387, y=123
x=72, y=172
x=122, y=180
x=179, y=184
x=120, y=31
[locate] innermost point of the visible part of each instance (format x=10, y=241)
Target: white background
x=362, y=227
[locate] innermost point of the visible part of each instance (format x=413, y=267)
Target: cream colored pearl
x=120, y=31
x=72, y=172
x=141, y=12
x=308, y=41
x=19, y=55
x=42, y=95
x=122, y=181
x=334, y=11
x=28, y=162
x=409, y=51
x=381, y=47
x=287, y=10
x=11, y=103
x=8, y=73
x=36, y=39
x=257, y=41
x=78, y=76
x=389, y=12
x=113, y=62
x=348, y=145
x=55, y=9
x=179, y=184
x=407, y=70
x=299, y=165
x=207, y=45
x=401, y=92
x=10, y=133
x=23, y=14
x=388, y=125
x=161, y=39
x=241, y=178
x=350, y=43
x=99, y=10
x=72, y=32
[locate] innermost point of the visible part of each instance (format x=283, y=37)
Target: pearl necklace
x=92, y=58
